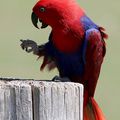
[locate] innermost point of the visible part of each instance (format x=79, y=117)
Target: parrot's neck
x=68, y=37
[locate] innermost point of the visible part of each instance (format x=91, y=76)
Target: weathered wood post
x=40, y=100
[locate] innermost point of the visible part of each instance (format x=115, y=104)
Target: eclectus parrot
x=76, y=47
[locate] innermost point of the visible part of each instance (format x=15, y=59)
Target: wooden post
x=40, y=100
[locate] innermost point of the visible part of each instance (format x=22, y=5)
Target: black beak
x=34, y=19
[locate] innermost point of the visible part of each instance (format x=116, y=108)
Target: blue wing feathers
x=88, y=23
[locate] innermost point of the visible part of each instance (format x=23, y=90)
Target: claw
x=29, y=46
x=59, y=79
x=22, y=44
x=21, y=40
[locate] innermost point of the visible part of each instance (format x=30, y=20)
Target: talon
x=22, y=47
x=56, y=79
x=21, y=40
x=26, y=49
x=59, y=79
x=29, y=46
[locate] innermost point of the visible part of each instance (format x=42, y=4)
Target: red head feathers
x=55, y=12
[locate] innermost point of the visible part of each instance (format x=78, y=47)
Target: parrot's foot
x=59, y=79
x=30, y=46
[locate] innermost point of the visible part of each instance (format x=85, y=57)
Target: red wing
x=95, y=52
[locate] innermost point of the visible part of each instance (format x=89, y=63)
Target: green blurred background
x=15, y=24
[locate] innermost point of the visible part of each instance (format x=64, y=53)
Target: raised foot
x=29, y=46
x=59, y=79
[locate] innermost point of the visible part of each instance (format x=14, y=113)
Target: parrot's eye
x=42, y=9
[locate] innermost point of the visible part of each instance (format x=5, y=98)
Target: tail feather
x=92, y=111
x=104, y=35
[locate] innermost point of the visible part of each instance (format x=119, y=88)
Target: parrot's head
x=55, y=12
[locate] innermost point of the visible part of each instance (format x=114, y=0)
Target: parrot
x=76, y=47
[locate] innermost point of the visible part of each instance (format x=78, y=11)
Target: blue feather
x=68, y=64
x=71, y=64
x=88, y=23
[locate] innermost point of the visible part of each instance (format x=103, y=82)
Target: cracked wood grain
x=28, y=99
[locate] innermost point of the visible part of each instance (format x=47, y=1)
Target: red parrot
x=76, y=47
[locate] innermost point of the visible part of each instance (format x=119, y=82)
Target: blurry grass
x=15, y=24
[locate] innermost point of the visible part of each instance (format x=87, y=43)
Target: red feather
x=104, y=35
x=92, y=111
x=68, y=34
